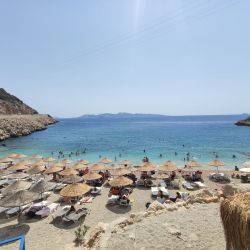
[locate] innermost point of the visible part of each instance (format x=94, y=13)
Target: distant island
x=17, y=118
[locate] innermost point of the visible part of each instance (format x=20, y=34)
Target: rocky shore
x=19, y=125
x=245, y=122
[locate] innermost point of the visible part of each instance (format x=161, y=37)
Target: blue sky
x=175, y=57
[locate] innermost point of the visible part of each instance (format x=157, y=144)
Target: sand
x=201, y=224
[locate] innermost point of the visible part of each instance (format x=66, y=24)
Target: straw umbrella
x=41, y=186
x=246, y=164
x=18, y=167
x=126, y=163
x=120, y=181
x=36, y=169
x=72, y=179
x=52, y=170
x=84, y=162
x=4, y=172
x=160, y=176
x=193, y=164
x=16, y=186
x=17, y=156
x=49, y=159
x=40, y=162
x=105, y=161
x=78, y=166
x=59, y=164
x=68, y=171
x=97, y=167
x=35, y=156
x=147, y=167
x=216, y=163
x=13, y=155
x=6, y=160
x=19, y=199
x=91, y=176
x=168, y=167
x=24, y=162
x=75, y=190
x=66, y=161
x=120, y=171
x=17, y=176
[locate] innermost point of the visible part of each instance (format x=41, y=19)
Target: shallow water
x=202, y=137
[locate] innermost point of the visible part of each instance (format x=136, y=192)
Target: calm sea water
x=127, y=138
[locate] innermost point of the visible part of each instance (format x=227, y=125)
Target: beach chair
x=187, y=185
x=200, y=184
x=15, y=210
x=113, y=199
x=184, y=195
x=3, y=209
x=140, y=183
x=175, y=184
x=96, y=190
x=75, y=216
x=163, y=184
x=124, y=202
x=164, y=191
x=154, y=191
x=46, y=211
x=60, y=212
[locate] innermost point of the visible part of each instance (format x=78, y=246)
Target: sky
x=174, y=57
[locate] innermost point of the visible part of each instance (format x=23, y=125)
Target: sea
x=178, y=138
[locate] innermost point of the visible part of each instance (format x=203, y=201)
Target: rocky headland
x=245, y=122
x=18, y=119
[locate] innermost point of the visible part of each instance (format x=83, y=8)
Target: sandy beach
x=43, y=234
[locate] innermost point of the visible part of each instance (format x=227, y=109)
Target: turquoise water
x=126, y=139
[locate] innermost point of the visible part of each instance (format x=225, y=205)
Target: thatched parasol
x=74, y=190
x=66, y=161
x=235, y=215
x=91, y=176
x=35, y=156
x=16, y=186
x=18, y=166
x=17, y=176
x=24, y=162
x=84, y=162
x=72, y=179
x=42, y=186
x=216, y=163
x=168, y=166
x=53, y=170
x=68, y=171
x=13, y=155
x=120, y=181
x=126, y=163
x=193, y=164
x=59, y=164
x=49, y=159
x=97, y=167
x=147, y=167
x=17, y=156
x=6, y=160
x=4, y=172
x=246, y=164
x=40, y=162
x=106, y=161
x=36, y=169
x=119, y=171
x=160, y=176
x=78, y=166
x=18, y=199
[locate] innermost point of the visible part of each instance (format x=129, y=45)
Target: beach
x=43, y=234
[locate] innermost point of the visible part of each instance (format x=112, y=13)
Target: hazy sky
x=175, y=57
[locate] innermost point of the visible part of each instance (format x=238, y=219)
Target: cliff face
x=245, y=122
x=10, y=105
x=17, y=118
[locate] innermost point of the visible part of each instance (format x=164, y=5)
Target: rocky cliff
x=245, y=122
x=17, y=118
x=11, y=105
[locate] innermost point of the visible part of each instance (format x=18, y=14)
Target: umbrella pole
x=19, y=216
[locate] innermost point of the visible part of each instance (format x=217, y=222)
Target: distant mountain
x=157, y=117
x=11, y=105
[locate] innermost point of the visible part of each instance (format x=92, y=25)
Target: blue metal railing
x=21, y=238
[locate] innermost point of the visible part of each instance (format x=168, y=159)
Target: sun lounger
x=175, y=184
x=140, y=182
x=200, y=184
x=124, y=202
x=59, y=186
x=163, y=184
x=184, y=195
x=15, y=210
x=61, y=211
x=75, y=216
x=154, y=191
x=96, y=190
x=113, y=199
x=46, y=211
x=164, y=191
x=187, y=185
x=3, y=209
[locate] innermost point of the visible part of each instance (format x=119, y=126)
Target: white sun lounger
x=61, y=211
x=154, y=191
x=96, y=190
x=75, y=216
x=164, y=191
x=46, y=211
x=15, y=210
x=187, y=185
x=200, y=184
x=112, y=199
x=163, y=184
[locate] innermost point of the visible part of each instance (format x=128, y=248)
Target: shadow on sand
x=117, y=209
x=13, y=231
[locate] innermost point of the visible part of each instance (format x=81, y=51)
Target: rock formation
x=245, y=122
x=17, y=118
